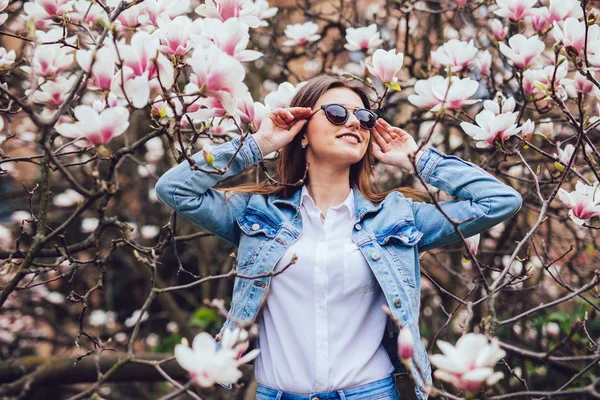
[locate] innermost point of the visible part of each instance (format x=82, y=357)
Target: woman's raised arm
x=486, y=201
x=190, y=193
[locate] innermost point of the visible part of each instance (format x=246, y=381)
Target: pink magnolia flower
x=473, y=245
x=139, y=69
x=572, y=34
x=299, y=34
x=522, y=51
x=129, y=18
x=260, y=113
x=53, y=93
x=514, y=9
x=49, y=60
x=527, y=129
x=560, y=10
x=205, y=363
x=175, y=35
x=405, y=344
x=364, y=38
x=153, y=10
x=237, y=340
x=45, y=10
x=98, y=128
x=226, y=9
x=7, y=58
x=460, y=3
x=470, y=363
x=200, y=108
x=103, y=71
x=386, y=65
x=231, y=37
x=434, y=93
x=491, y=128
x=500, y=105
x=245, y=108
x=483, y=62
x=221, y=76
x=580, y=84
x=537, y=80
x=539, y=18
x=455, y=54
x=583, y=203
x=499, y=30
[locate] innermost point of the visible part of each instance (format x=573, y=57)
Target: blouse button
x=255, y=227
x=357, y=227
x=398, y=302
x=375, y=256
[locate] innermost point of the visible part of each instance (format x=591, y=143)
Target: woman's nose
x=352, y=121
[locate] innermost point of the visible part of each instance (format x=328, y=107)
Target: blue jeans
x=383, y=389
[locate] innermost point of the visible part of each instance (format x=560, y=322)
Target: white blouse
x=321, y=326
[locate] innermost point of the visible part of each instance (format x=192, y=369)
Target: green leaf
x=167, y=345
x=203, y=317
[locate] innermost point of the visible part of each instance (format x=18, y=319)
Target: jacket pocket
x=404, y=232
x=358, y=277
x=257, y=231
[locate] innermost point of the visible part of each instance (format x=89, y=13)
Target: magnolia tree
x=102, y=286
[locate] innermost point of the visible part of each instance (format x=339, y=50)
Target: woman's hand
x=280, y=127
x=392, y=145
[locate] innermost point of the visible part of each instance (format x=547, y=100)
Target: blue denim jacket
x=390, y=234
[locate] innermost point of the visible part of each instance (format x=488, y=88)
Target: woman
x=322, y=332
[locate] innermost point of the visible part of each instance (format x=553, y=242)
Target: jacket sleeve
x=485, y=200
x=190, y=192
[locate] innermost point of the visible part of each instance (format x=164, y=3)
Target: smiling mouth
x=350, y=137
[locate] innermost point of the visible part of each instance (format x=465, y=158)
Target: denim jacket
x=390, y=235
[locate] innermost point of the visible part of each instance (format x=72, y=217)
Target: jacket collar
x=362, y=206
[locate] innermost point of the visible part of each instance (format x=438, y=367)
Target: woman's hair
x=291, y=165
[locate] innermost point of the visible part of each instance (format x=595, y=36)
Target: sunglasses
x=338, y=114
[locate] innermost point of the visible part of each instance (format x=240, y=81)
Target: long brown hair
x=291, y=165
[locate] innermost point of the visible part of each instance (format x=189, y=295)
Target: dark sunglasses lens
x=367, y=118
x=336, y=114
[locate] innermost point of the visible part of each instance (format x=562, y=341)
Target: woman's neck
x=328, y=186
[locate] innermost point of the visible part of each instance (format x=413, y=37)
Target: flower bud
x=405, y=344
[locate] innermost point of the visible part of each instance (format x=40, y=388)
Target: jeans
x=383, y=389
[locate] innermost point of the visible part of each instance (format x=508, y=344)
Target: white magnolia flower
x=470, y=363
x=363, y=38
x=522, y=51
x=491, y=128
x=386, y=65
x=583, y=203
x=434, y=93
x=207, y=365
x=281, y=97
x=67, y=199
x=301, y=33
x=454, y=54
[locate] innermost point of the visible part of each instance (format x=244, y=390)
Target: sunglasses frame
x=347, y=109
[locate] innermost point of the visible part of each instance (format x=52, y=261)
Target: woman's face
x=339, y=144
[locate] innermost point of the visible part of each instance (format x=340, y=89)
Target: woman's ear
x=304, y=142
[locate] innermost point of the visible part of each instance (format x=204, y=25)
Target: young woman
x=322, y=332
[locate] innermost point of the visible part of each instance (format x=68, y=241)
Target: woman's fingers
x=378, y=138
